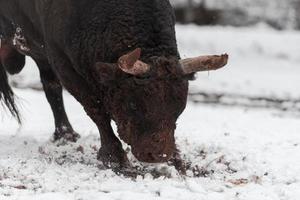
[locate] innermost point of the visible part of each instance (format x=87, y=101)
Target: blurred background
x=276, y=13
x=261, y=37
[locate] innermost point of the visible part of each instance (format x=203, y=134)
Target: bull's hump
x=148, y=25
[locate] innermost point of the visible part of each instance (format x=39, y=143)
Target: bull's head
x=145, y=100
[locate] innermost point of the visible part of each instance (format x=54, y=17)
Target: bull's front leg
x=53, y=90
x=111, y=152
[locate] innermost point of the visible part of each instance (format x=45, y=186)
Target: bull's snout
x=156, y=148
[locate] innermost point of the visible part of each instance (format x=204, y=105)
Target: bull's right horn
x=203, y=63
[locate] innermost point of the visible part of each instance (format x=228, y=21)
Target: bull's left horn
x=203, y=63
x=131, y=64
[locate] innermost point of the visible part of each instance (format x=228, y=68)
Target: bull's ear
x=128, y=64
x=203, y=63
x=106, y=72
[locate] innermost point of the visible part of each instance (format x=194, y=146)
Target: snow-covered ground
x=241, y=129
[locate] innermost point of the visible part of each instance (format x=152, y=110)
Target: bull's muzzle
x=155, y=148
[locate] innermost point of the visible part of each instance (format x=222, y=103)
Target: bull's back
x=93, y=30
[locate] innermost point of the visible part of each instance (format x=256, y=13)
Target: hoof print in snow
x=144, y=172
x=63, y=136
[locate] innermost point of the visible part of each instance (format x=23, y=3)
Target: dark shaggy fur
x=77, y=44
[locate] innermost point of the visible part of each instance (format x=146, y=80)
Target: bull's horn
x=203, y=63
x=131, y=64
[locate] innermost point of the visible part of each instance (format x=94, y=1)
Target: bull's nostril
x=151, y=156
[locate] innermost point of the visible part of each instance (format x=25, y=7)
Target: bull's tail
x=7, y=96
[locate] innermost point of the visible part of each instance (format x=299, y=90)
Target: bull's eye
x=133, y=106
x=142, y=81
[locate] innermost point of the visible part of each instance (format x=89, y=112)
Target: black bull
x=83, y=45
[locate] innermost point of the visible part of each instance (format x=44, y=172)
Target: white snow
x=246, y=151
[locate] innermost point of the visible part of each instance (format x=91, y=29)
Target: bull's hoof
x=65, y=134
x=179, y=164
x=113, y=159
